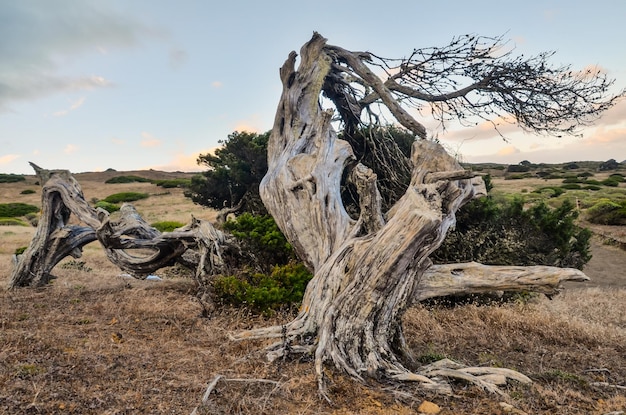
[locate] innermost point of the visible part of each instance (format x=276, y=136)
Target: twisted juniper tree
x=369, y=267
x=370, y=264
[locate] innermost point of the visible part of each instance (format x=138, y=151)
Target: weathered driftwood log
x=367, y=271
x=129, y=242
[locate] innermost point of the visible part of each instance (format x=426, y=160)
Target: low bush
x=12, y=222
x=572, y=180
x=571, y=186
x=550, y=191
x=172, y=183
x=167, y=226
x=611, y=182
x=109, y=207
x=261, y=237
x=127, y=179
x=14, y=210
x=504, y=233
x=11, y=178
x=20, y=250
x=282, y=288
x=28, y=192
x=607, y=212
x=592, y=187
x=125, y=197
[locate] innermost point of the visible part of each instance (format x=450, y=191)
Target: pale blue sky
x=136, y=84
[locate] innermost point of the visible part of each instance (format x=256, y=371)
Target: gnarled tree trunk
x=367, y=271
x=129, y=242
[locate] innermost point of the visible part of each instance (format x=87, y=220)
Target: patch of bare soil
x=607, y=267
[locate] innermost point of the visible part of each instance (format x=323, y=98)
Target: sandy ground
x=607, y=267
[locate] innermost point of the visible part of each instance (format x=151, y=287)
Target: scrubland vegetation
x=97, y=342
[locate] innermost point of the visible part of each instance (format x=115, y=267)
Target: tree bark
x=367, y=271
x=129, y=242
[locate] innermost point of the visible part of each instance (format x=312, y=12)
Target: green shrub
x=283, y=287
x=11, y=178
x=125, y=197
x=171, y=183
x=12, y=222
x=127, y=179
x=504, y=233
x=517, y=168
x=607, y=212
x=618, y=177
x=572, y=180
x=20, y=250
x=550, y=191
x=592, y=187
x=611, y=182
x=109, y=207
x=571, y=186
x=517, y=176
x=167, y=226
x=28, y=192
x=14, y=210
x=262, y=240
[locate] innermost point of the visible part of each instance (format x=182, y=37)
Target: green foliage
x=109, y=207
x=172, y=183
x=14, y=210
x=11, y=178
x=20, y=250
x=127, y=179
x=517, y=176
x=610, y=164
x=607, y=212
x=167, y=226
x=550, y=191
x=611, y=182
x=125, y=197
x=517, y=168
x=504, y=233
x=571, y=186
x=12, y=222
x=283, y=287
x=592, y=187
x=261, y=238
x=28, y=192
x=572, y=180
x=234, y=174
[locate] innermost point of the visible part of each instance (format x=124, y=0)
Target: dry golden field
x=94, y=342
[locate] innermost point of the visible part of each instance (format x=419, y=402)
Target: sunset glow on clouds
x=149, y=140
x=126, y=82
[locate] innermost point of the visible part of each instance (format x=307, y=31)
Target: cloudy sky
x=136, y=84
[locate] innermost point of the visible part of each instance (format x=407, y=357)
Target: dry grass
x=95, y=343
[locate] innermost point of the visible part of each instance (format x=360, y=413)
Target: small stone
x=427, y=407
x=510, y=409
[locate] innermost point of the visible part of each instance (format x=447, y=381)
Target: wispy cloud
x=183, y=162
x=75, y=105
x=70, y=149
x=40, y=37
x=149, y=140
x=251, y=125
x=8, y=158
x=216, y=84
x=118, y=141
x=508, y=150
